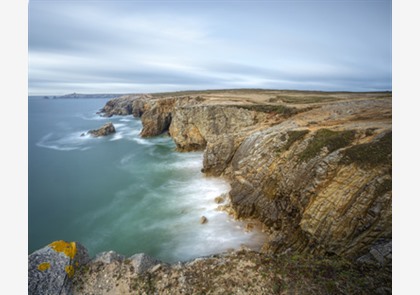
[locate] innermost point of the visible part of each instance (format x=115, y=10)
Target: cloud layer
x=135, y=46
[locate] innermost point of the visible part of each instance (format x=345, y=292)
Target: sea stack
x=106, y=129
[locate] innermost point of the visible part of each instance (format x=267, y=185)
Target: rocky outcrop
x=157, y=116
x=219, y=128
x=105, y=130
x=236, y=272
x=316, y=199
x=51, y=269
x=125, y=105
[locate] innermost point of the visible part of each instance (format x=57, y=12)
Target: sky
x=155, y=46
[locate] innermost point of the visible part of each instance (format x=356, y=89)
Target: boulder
x=203, y=220
x=106, y=129
x=108, y=257
x=51, y=269
x=142, y=262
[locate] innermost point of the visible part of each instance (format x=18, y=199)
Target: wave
x=126, y=159
x=92, y=117
x=73, y=141
x=116, y=136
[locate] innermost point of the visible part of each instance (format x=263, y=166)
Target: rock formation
x=125, y=105
x=51, y=269
x=105, y=130
x=313, y=167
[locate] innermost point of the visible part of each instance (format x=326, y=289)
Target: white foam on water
x=194, y=198
x=71, y=141
x=116, y=136
x=142, y=141
x=92, y=117
x=119, y=125
x=126, y=159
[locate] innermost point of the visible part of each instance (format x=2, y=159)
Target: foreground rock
x=65, y=268
x=51, y=269
x=105, y=130
x=238, y=272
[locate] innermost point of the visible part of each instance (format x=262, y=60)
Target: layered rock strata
x=318, y=173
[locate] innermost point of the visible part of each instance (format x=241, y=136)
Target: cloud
x=106, y=46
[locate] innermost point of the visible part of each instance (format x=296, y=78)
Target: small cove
x=121, y=192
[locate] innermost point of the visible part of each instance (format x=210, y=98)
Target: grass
x=333, y=140
x=277, y=109
x=384, y=187
x=303, y=99
x=292, y=137
x=371, y=154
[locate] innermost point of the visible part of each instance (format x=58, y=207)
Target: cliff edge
x=314, y=167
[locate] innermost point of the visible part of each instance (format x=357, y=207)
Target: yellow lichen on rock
x=69, y=270
x=44, y=266
x=69, y=249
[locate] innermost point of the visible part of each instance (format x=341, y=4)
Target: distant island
x=84, y=96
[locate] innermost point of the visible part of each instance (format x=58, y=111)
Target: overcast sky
x=149, y=46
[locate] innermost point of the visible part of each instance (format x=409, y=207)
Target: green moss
x=306, y=99
x=292, y=137
x=278, y=109
x=333, y=140
x=375, y=153
x=383, y=187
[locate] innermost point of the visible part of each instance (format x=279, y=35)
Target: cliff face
x=125, y=105
x=318, y=173
x=327, y=202
x=194, y=126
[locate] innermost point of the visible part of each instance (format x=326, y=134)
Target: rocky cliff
x=314, y=167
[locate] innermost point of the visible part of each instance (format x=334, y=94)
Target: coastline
x=289, y=157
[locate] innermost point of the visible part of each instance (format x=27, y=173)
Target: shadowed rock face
x=125, y=105
x=105, y=130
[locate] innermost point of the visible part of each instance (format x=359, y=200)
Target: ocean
x=120, y=192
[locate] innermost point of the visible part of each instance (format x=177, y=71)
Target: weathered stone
x=203, y=220
x=142, y=262
x=194, y=126
x=106, y=129
x=125, y=105
x=219, y=200
x=51, y=269
x=155, y=268
x=108, y=257
x=157, y=116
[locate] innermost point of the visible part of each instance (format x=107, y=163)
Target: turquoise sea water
x=120, y=192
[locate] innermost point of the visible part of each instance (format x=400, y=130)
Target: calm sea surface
x=120, y=192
